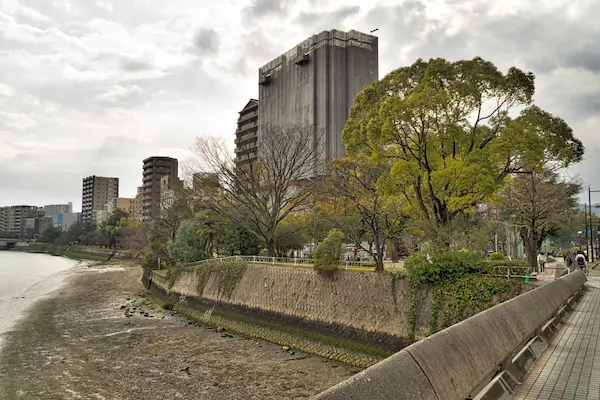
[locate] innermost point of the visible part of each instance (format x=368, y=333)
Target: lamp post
x=592, y=241
x=579, y=234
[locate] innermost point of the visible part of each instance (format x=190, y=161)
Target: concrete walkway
x=570, y=366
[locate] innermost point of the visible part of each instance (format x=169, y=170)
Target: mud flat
x=99, y=337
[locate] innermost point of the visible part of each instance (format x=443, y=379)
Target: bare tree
x=258, y=195
x=358, y=208
x=538, y=204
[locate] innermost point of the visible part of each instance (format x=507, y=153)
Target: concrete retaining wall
x=459, y=361
x=367, y=302
x=75, y=251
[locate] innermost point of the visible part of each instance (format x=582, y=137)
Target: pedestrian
x=581, y=261
x=541, y=261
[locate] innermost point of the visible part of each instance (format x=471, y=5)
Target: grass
x=161, y=272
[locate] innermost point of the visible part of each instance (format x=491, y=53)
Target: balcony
x=250, y=115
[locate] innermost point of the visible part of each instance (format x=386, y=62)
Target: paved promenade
x=570, y=366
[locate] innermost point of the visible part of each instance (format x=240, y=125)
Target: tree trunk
x=270, y=247
x=394, y=247
x=531, y=249
x=379, y=254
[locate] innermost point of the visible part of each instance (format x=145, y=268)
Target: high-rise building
x=314, y=85
x=55, y=209
x=246, y=135
x=97, y=192
x=154, y=169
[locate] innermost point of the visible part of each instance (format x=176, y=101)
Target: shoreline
x=15, y=306
x=101, y=336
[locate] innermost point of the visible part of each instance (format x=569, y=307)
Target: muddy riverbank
x=99, y=337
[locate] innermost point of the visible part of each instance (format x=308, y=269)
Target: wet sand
x=99, y=337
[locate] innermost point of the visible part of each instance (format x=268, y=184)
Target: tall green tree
x=447, y=129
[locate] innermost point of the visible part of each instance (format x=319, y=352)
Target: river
x=25, y=278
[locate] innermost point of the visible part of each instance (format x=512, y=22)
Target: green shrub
x=497, y=256
x=443, y=267
x=328, y=253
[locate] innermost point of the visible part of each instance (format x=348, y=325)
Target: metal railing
x=277, y=260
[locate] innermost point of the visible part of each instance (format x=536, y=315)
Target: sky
x=92, y=87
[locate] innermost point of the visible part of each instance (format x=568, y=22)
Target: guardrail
x=482, y=357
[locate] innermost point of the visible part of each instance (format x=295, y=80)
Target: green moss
x=310, y=335
x=228, y=275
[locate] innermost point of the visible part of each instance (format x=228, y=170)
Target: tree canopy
x=453, y=132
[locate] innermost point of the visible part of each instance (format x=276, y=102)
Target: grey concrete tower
x=315, y=83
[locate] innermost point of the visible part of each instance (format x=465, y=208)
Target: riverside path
x=570, y=366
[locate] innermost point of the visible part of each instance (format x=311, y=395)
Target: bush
x=443, y=267
x=497, y=256
x=328, y=253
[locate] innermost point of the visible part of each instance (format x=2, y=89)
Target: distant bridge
x=8, y=243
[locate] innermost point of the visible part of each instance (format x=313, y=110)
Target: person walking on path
x=581, y=261
x=541, y=259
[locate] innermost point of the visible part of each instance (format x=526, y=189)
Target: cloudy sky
x=95, y=86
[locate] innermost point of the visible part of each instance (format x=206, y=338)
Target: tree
x=446, y=130
x=260, y=194
x=329, y=252
x=288, y=237
x=356, y=206
x=189, y=244
x=109, y=229
x=539, y=204
x=50, y=235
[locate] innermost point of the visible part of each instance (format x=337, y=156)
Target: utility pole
x=586, y=231
x=591, y=224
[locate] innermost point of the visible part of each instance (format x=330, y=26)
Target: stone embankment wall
x=374, y=308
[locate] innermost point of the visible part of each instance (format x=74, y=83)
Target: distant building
x=167, y=195
x=314, y=85
x=154, y=169
x=55, y=209
x=136, y=204
x=205, y=183
x=13, y=219
x=35, y=226
x=65, y=221
x=246, y=135
x=99, y=216
x=97, y=192
x=125, y=204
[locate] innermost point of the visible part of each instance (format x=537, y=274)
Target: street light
x=579, y=234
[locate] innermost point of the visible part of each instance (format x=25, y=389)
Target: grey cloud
x=263, y=8
x=322, y=21
x=206, y=41
x=132, y=65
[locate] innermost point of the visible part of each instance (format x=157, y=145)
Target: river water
x=25, y=278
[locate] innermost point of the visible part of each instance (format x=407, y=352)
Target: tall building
x=55, y=209
x=154, y=169
x=246, y=135
x=13, y=219
x=97, y=191
x=65, y=221
x=315, y=83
